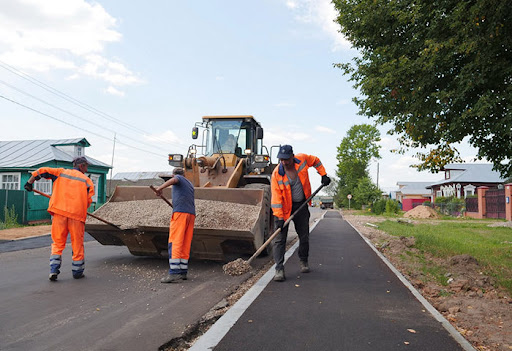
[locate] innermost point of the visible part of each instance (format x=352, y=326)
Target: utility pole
x=377, y=174
x=112, y=164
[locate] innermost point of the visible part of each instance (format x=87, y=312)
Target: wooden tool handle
x=161, y=196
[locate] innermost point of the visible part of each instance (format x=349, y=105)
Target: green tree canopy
x=354, y=155
x=438, y=71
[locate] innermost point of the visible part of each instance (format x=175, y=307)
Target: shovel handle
x=89, y=214
x=269, y=240
x=161, y=196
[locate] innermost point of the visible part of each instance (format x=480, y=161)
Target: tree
x=354, y=155
x=439, y=71
x=366, y=192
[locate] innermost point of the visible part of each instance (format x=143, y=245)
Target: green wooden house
x=19, y=158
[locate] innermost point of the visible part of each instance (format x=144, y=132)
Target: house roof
x=134, y=176
x=471, y=173
x=31, y=153
x=414, y=188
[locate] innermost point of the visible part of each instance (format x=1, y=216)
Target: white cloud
x=113, y=91
x=322, y=14
x=61, y=34
x=322, y=129
x=219, y=78
x=284, y=104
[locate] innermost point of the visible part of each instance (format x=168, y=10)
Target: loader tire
x=269, y=219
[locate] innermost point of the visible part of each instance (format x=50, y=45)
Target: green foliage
x=354, y=155
x=11, y=218
x=489, y=245
x=441, y=200
x=379, y=206
x=427, y=203
x=366, y=192
x=392, y=206
x=437, y=71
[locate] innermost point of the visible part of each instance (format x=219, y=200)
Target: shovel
x=161, y=196
x=239, y=266
x=89, y=214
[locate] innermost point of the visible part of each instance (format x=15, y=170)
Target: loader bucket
x=227, y=220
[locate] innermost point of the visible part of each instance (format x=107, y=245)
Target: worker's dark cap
x=285, y=152
x=80, y=160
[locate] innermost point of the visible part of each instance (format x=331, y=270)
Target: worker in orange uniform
x=71, y=197
x=290, y=188
x=182, y=225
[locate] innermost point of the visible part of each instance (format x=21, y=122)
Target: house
x=410, y=194
x=136, y=179
x=19, y=158
x=462, y=179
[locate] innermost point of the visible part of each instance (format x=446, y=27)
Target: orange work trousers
x=61, y=226
x=180, y=234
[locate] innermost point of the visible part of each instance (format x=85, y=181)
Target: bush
x=392, y=206
x=379, y=206
x=427, y=203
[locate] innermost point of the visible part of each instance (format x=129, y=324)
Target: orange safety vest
x=72, y=191
x=281, y=202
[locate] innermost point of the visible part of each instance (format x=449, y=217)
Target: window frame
x=2, y=182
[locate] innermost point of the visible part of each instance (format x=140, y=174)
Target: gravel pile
x=156, y=213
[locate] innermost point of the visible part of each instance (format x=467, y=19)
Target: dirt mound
x=421, y=212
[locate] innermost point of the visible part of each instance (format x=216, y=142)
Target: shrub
x=11, y=218
x=379, y=206
x=392, y=206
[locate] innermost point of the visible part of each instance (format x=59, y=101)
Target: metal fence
x=471, y=204
x=16, y=199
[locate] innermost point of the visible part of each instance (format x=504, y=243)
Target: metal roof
x=31, y=153
x=471, y=173
x=134, y=176
x=414, y=188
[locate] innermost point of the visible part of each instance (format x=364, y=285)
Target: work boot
x=172, y=278
x=53, y=276
x=79, y=275
x=279, y=276
x=304, y=267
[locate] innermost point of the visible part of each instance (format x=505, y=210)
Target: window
x=469, y=190
x=79, y=151
x=10, y=181
x=44, y=186
x=446, y=174
x=95, y=180
x=439, y=193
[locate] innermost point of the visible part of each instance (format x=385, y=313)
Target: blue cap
x=285, y=152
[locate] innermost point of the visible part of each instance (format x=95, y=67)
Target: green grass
x=491, y=246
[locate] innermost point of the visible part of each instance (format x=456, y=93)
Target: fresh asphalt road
x=119, y=305
x=350, y=300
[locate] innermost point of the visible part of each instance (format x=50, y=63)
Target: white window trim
x=44, y=186
x=95, y=180
x=469, y=190
x=18, y=186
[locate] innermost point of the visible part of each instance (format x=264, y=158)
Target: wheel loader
x=229, y=166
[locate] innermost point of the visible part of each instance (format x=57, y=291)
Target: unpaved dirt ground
x=481, y=312
x=24, y=232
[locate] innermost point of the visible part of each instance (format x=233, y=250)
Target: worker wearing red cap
x=290, y=188
x=71, y=197
x=181, y=228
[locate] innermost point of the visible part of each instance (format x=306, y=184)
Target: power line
x=75, y=101
x=70, y=113
x=74, y=126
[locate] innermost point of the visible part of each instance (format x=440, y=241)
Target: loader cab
x=239, y=136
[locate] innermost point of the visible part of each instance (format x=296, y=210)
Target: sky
x=146, y=72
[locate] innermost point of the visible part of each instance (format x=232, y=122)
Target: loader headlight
x=261, y=158
x=175, y=160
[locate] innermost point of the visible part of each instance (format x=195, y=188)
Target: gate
x=495, y=203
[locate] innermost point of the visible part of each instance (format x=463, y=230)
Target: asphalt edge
x=220, y=328
x=435, y=313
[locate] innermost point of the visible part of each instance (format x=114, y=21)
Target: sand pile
x=421, y=212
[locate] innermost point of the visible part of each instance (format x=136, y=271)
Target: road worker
x=71, y=197
x=290, y=188
x=182, y=225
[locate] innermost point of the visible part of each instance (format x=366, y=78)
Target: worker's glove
x=326, y=180
x=279, y=223
x=28, y=186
